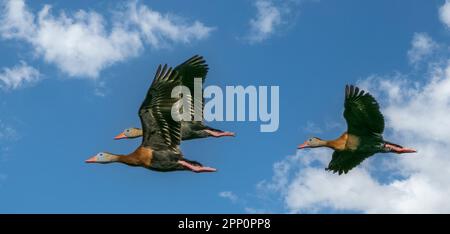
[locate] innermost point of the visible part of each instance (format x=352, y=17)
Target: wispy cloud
x=18, y=76
x=422, y=46
x=82, y=44
x=272, y=18
x=266, y=21
x=8, y=135
x=229, y=195
x=7, y=132
x=159, y=30
x=243, y=201
x=312, y=127
x=251, y=210
x=444, y=13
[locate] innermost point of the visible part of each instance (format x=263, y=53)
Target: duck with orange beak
x=194, y=67
x=159, y=150
x=364, y=136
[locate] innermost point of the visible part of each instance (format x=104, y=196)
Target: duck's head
x=129, y=133
x=103, y=157
x=312, y=142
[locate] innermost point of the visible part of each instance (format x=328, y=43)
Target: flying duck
x=365, y=126
x=159, y=150
x=194, y=67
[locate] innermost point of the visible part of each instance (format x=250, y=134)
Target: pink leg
x=197, y=169
x=400, y=150
x=219, y=134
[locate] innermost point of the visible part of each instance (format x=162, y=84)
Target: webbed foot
x=195, y=168
x=219, y=134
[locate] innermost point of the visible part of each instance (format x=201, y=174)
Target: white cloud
x=421, y=46
x=229, y=195
x=16, y=20
x=268, y=18
x=417, y=116
x=79, y=45
x=157, y=28
x=272, y=18
x=18, y=76
x=82, y=44
x=444, y=13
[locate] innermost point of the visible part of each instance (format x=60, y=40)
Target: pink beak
x=120, y=136
x=91, y=160
x=302, y=146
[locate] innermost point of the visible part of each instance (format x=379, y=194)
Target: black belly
x=371, y=144
x=165, y=161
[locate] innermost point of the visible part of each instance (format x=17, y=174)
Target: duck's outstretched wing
x=192, y=68
x=160, y=131
x=362, y=113
x=344, y=161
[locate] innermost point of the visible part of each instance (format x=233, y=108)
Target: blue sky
x=64, y=110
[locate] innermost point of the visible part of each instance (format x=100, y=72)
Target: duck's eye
x=128, y=130
x=101, y=154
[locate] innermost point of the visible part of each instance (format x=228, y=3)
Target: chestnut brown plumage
x=364, y=136
x=159, y=149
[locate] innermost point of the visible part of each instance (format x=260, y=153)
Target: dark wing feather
x=362, y=113
x=192, y=68
x=160, y=131
x=344, y=161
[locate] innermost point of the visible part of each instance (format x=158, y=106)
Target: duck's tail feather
x=214, y=129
